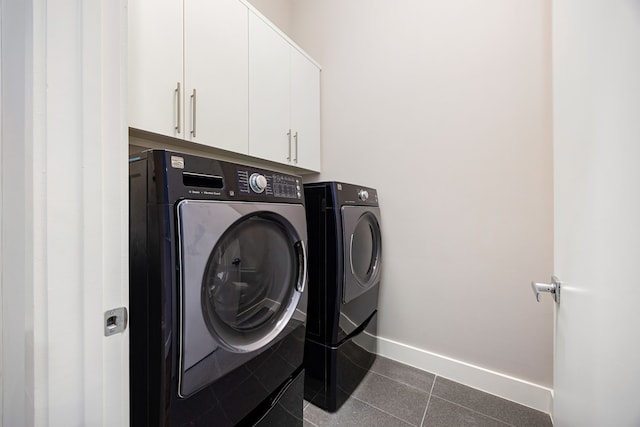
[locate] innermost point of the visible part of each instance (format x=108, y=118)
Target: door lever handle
x=553, y=288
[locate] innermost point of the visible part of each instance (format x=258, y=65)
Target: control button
x=363, y=195
x=257, y=182
x=299, y=194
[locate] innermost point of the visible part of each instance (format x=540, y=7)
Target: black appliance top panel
x=184, y=176
x=347, y=194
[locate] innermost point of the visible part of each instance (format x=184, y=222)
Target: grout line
x=352, y=397
x=477, y=412
x=428, y=401
x=370, y=369
x=313, y=424
x=403, y=383
x=382, y=410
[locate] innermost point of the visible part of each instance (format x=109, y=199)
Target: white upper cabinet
x=155, y=66
x=269, y=92
x=190, y=82
x=284, y=100
x=216, y=68
x=305, y=111
x=217, y=74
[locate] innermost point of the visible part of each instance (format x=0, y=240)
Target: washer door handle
x=353, y=271
x=302, y=261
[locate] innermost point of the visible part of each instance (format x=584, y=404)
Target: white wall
x=445, y=108
x=279, y=12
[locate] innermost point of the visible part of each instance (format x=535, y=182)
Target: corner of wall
x=507, y=387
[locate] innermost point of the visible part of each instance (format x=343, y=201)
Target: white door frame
x=596, y=63
x=64, y=198
x=1, y=240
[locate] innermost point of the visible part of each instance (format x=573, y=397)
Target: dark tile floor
x=393, y=394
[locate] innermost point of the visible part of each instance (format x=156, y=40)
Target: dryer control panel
x=350, y=194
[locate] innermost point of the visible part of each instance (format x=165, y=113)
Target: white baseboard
x=523, y=392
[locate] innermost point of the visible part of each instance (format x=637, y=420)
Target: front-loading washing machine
x=345, y=256
x=217, y=292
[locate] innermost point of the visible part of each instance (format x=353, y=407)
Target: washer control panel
x=257, y=182
x=287, y=186
x=269, y=184
x=363, y=195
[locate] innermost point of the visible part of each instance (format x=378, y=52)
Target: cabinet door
x=155, y=66
x=305, y=111
x=269, y=93
x=216, y=67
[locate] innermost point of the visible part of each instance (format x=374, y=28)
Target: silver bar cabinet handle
x=295, y=138
x=193, y=109
x=177, y=92
x=289, y=137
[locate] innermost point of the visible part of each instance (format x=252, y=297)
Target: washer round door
x=242, y=270
x=362, y=249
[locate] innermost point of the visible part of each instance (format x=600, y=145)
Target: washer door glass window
x=363, y=246
x=250, y=278
x=242, y=272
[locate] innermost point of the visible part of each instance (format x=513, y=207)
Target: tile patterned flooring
x=393, y=394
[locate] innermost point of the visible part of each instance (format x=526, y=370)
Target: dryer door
x=242, y=271
x=362, y=249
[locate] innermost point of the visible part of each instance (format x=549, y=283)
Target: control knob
x=257, y=182
x=363, y=195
